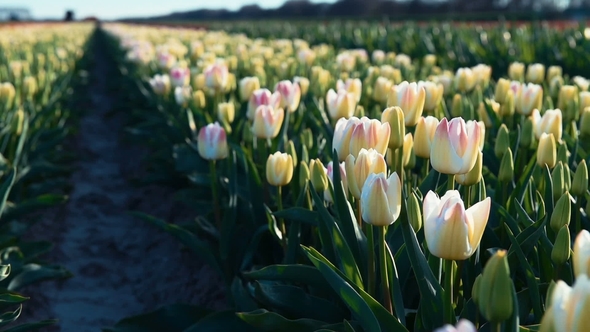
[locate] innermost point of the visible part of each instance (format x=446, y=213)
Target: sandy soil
x=122, y=266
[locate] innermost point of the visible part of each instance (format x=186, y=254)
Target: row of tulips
x=39, y=66
x=368, y=193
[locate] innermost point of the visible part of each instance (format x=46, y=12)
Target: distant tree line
x=457, y=9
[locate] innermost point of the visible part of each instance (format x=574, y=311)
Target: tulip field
x=348, y=176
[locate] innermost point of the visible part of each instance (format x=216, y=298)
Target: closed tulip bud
x=474, y=175
x=212, y=142
x=464, y=79
x=452, y=232
x=29, y=86
x=198, y=82
x=160, y=84
x=567, y=94
x=358, y=169
x=369, y=133
x=555, y=85
x=381, y=89
x=530, y=97
x=476, y=289
x=455, y=146
x=414, y=212
x=560, y=253
x=216, y=77
x=507, y=109
x=434, y=93
x=262, y=97
x=342, y=134
x=410, y=98
x=247, y=87
x=582, y=83
x=330, y=175
x=495, y=290
x=526, y=134
x=584, y=99
x=502, y=87
x=307, y=138
x=267, y=122
x=424, y=135
x=279, y=169
x=304, y=174
x=550, y=123
x=408, y=149
x=226, y=112
x=303, y=84
x=581, y=259
x=351, y=85
x=377, y=57
x=381, y=199
x=318, y=175
x=483, y=113
x=340, y=105
x=18, y=121
x=457, y=106
x=198, y=99
x=506, y=173
x=580, y=182
x=585, y=123
x=290, y=95
x=290, y=150
x=569, y=307
x=395, y=117
x=535, y=73
x=516, y=71
x=547, y=151
x=482, y=74
x=359, y=111
x=502, y=141
x=561, y=213
x=553, y=71
x=319, y=79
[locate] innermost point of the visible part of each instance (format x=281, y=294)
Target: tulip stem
x=496, y=326
x=400, y=165
x=360, y=213
x=383, y=269
x=216, y=211
x=578, y=213
x=448, y=300
x=371, y=252
x=281, y=220
x=451, y=182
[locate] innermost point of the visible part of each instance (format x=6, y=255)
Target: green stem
x=360, y=213
x=281, y=220
x=400, y=165
x=383, y=269
x=371, y=252
x=468, y=198
x=449, y=312
x=578, y=214
x=451, y=182
x=496, y=326
x=216, y=211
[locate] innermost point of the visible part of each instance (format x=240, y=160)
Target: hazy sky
x=110, y=9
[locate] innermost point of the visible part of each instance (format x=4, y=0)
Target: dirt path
x=121, y=265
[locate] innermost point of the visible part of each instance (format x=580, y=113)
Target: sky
x=112, y=9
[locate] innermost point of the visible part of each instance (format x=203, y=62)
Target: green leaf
x=296, y=273
x=33, y=273
x=29, y=327
x=323, y=230
x=5, y=189
x=32, y=205
x=172, y=318
x=269, y=321
x=298, y=214
x=10, y=316
x=221, y=322
x=230, y=213
x=395, y=287
x=12, y=298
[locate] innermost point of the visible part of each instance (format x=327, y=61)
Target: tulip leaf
x=5, y=189
x=395, y=287
x=429, y=182
x=548, y=195
x=295, y=273
x=324, y=231
x=241, y=297
x=264, y=320
x=513, y=323
x=273, y=227
x=10, y=316
x=174, y=318
x=230, y=211
x=30, y=327
x=299, y=214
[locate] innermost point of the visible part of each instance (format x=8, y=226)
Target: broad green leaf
x=296, y=273
x=265, y=320
x=29, y=327
x=298, y=214
x=173, y=318
x=33, y=273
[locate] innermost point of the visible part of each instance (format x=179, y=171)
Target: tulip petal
x=443, y=156
x=431, y=204
x=394, y=195
x=581, y=259
x=479, y=214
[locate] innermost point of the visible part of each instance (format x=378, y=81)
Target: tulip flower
x=584, y=99
x=212, y=142
x=262, y=97
x=217, y=77
x=381, y=89
x=180, y=76
x=290, y=95
x=529, y=97
x=482, y=74
x=267, y=121
x=369, y=133
x=226, y=112
x=535, y=73
x=465, y=79
x=411, y=98
x=569, y=307
x=342, y=134
x=452, y=232
x=303, y=83
x=581, y=82
x=182, y=94
x=585, y=123
x=502, y=87
x=455, y=146
x=430, y=60
x=434, y=93
x=330, y=175
x=554, y=71
x=581, y=260
x=341, y=104
x=279, y=169
x=547, y=151
x=166, y=60
x=424, y=135
x=378, y=56
x=352, y=85
x=359, y=168
x=567, y=94
x=549, y=123
x=516, y=71
x=395, y=117
x=381, y=199
x=346, y=61
x=247, y=87
x=463, y=325
x=160, y=84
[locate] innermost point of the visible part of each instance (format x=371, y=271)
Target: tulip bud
x=495, y=289
x=198, y=82
x=359, y=168
x=318, y=175
x=567, y=94
x=482, y=75
x=408, y=151
x=304, y=174
x=160, y=84
x=455, y=146
x=553, y=71
x=584, y=99
x=557, y=178
x=212, y=142
x=290, y=95
x=290, y=150
x=340, y=105
x=507, y=109
x=581, y=259
x=561, y=213
x=457, y=106
x=502, y=141
x=307, y=138
x=516, y=71
x=369, y=133
x=29, y=86
x=395, y=117
x=381, y=89
x=267, y=122
x=526, y=134
x=303, y=84
x=226, y=112
x=423, y=136
x=381, y=199
x=198, y=99
x=429, y=60
x=414, y=212
x=279, y=169
x=476, y=289
x=18, y=121
x=585, y=123
x=502, y=88
x=410, y=97
x=465, y=79
x=434, y=93
x=560, y=253
x=562, y=153
x=535, y=73
x=580, y=182
x=506, y=173
x=353, y=86
x=546, y=151
x=217, y=77
x=247, y=86
x=474, y=175
x=483, y=113
x=528, y=98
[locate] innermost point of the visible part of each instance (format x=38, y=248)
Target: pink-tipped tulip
x=267, y=121
x=529, y=97
x=352, y=85
x=410, y=98
x=381, y=199
x=359, y=168
x=180, y=76
x=290, y=95
x=262, y=97
x=452, y=232
x=455, y=146
x=369, y=134
x=212, y=142
x=549, y=123
x=342, y=134
x=216, y=77
x=424, y=135
x=160, y=84
x=341, y=104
